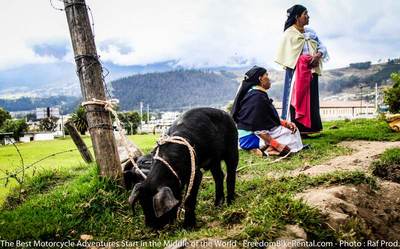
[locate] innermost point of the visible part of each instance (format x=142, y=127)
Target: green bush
x=392, y=95
x=4, y=115
x=17, y=127
x=48, y=124
x=79, y=119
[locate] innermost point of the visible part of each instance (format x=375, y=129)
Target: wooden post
x=90, y=76
x=80, y=144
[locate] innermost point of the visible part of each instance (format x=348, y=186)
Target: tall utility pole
x=62, y=122
x=90, y=76
x=361, y=97
x=148, y=113
x=376, y=98
x=141, y=115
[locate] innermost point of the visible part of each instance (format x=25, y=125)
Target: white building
x=160, y=125
x=6, y=138
x=47, y=112
x=337, y=110
x=36, y=136
x=59, y=131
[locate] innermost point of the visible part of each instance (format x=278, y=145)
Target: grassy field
x=34, y=151
x=66, y=199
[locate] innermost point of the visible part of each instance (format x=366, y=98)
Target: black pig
x=213, y=135
x=132, y=176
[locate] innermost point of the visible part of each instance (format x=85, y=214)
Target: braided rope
x=157, y=157
x=182, y=141
x=110, y=105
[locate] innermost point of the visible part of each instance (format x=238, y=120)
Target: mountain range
x=175, y=90
x=166, y=87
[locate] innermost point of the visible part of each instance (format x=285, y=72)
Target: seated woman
x=259, y=126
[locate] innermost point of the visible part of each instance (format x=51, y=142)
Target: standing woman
x=301, y=54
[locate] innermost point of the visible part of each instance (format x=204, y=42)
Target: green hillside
x=175, y=89
x=340, y=80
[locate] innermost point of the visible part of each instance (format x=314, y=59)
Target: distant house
x=59, y=131
x=6, y=138
x=47, y=112
x=337, y=110
x=36, y=136
x=160, y=125
x=34, y=127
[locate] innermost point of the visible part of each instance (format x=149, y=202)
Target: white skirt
x=284, y=136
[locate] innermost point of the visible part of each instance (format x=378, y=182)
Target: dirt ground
x=351, y=210
x=364, y=153
x=376, y=213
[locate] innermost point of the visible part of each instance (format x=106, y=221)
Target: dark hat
x=254, y=73
x=292, y=13
x=251, y=78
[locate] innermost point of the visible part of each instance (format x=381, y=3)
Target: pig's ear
x=135, y=193
x=164, y=201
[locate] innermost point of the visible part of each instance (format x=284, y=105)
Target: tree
x=17, y=127
x=48, y=124
x=144, y=117
x=31, y=117
x=79, y=119
x=130, y=121
x=392, y=94
x=4, y=115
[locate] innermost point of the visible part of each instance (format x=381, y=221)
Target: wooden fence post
x=80, y=144
x=90, y=76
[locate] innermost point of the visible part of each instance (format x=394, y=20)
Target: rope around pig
x=182, y=141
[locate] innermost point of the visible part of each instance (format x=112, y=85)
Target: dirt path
x=364, y=153
x=376, y=212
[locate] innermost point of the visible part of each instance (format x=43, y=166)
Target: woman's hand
x=291, y=126
x=315, y=60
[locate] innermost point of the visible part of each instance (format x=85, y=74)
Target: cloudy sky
x=198, y=33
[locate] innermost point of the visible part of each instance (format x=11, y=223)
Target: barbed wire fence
x=19, y=174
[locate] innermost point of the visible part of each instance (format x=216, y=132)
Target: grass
x=31, y=152
x=42, y=182
x=63, y=204
x=359, y=129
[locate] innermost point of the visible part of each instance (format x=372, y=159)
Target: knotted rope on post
x=110, y=106
x=179, y=140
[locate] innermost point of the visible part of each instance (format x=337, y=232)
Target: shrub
x=392, y=95
x=79, y=119
x=4, y=115
x=48, y=124
x=17, y=127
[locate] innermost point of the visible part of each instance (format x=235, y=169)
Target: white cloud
x=202, y=33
